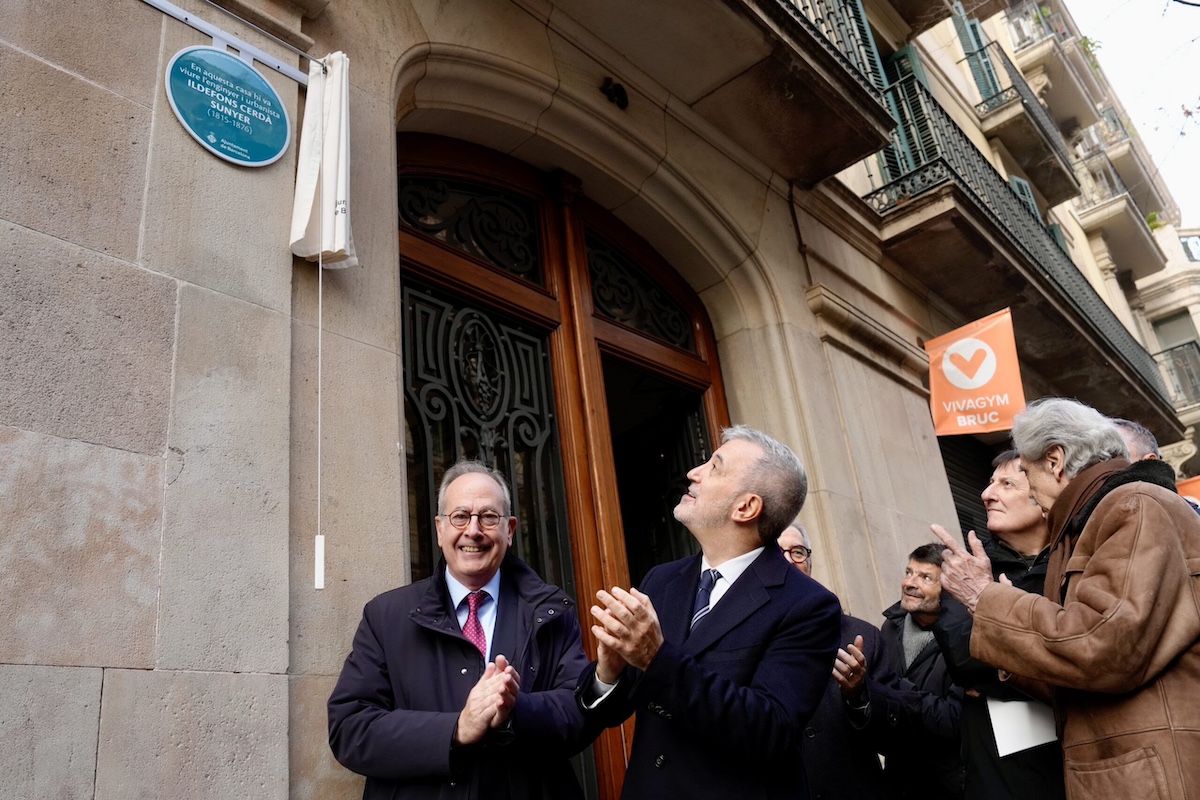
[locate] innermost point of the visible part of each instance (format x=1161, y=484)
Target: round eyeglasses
x=798, y=554
x=488, y=520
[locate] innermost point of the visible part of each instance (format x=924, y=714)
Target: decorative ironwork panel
x=477, y=385
x=498, y=227
x=1181, y=368
x=1099, y=182
x=622, y=292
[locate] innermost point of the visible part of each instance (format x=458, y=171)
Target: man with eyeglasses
x=842, y=741
x=462, y=684
x=723, y=655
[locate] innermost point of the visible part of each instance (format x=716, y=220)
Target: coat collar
x=518, y=581
x=1074, y=507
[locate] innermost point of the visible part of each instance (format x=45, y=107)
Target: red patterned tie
x=472, y=629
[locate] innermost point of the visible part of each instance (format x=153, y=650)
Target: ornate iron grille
x=498, y=227
x=478, y=386
x=1181, y=368
x=622, y=292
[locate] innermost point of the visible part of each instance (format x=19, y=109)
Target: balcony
x=766, y=73
x=952, y=222
x=1181, y=370
x=1058, y=61
x=1010, y=112
x=921, y=15
x=1134, y=168
x=1106, y=208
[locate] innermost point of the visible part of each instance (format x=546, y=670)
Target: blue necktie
x=708, y=579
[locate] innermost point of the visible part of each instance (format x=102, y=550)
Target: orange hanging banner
x=1189, y=488
x=974, y=377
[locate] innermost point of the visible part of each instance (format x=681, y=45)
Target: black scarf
x=1074, y=507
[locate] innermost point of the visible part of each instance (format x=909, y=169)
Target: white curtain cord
x=319, y=541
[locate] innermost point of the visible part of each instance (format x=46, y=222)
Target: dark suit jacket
x=393, y=712
x=841, y=747
x=722, y=708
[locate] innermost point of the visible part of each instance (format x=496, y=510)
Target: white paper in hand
x=1020, y=724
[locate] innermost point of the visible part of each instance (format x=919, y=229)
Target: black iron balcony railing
x=935, y=151
x=1030, y=23
x=1109, y=131
x=1181, y=371
x=841, y=28
x=1098, y=182
x=1006, y=85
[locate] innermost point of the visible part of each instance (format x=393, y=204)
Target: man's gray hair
x=777, y=477
x=1086, y=436
x=1140, y=437
x=467, y=466
x=803, y=531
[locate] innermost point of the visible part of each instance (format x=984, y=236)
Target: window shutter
x=974, y=45
x=1024, y=191
x=914, y=143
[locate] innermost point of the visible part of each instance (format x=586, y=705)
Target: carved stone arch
x=553, y=124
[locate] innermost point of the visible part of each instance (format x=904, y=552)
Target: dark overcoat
x=926, y=762
x=393, y=712
x=841, y=746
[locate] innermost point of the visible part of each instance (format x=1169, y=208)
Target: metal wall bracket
x=226, y=41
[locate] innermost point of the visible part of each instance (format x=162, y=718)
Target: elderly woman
x=1118, y=632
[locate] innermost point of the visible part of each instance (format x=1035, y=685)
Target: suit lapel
x=678, y=595
x=747, y=594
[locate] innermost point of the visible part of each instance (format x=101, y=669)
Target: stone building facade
x=707, y=214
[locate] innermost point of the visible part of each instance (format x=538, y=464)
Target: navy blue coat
x=925, y=762
x=721, y=709
x=393, y=712
x=841, y=747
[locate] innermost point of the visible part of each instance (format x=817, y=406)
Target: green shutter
x=1024, y=191
x=912, y=144
x=974, y=44
x=867, y=44
x=1055, y=231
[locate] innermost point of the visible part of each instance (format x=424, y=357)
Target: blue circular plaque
x=227, y=106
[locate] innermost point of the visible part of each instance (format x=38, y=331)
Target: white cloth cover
x=321, y=212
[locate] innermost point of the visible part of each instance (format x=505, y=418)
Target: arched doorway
x=543, y=336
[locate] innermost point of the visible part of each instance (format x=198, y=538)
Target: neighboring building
x=591, y=234
x=1167, y=306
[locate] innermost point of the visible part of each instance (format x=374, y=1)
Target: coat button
x=550, y=612
x=660, y=761
x=464, y=672
x=539, y=619
x=810, y=733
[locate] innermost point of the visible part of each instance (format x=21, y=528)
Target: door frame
x=577, y=339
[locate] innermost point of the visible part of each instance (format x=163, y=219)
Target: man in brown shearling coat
x=1118, y=632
